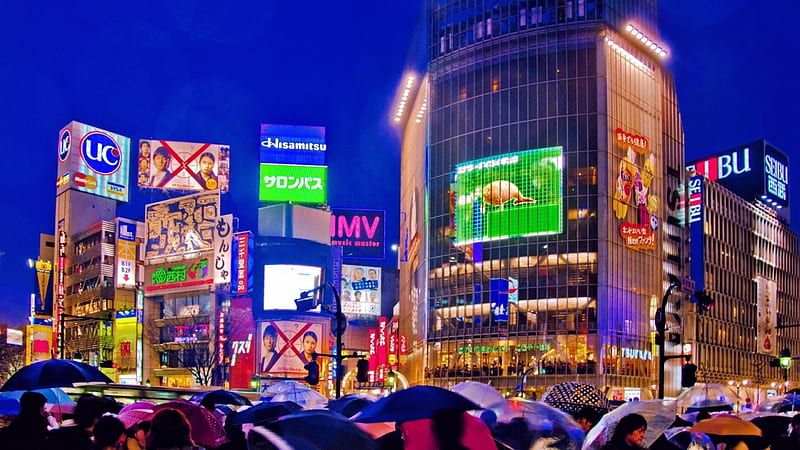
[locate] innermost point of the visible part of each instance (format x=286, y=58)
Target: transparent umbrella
x=786, y=403
x=547, y=423
x=707, y=396
x=658, y=413
x=307, y=398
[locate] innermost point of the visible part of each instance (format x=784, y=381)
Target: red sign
x=373, y=352
x=639, y=237
x=382, y=354
x=243, y=342
x=639, y=144
x=403, y=347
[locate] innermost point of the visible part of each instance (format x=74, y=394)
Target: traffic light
x=688, y=375
x=785, y=358
x=704, y=302
x=313, y=373
x=362, y=371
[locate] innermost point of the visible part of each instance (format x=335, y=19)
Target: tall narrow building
x=552, y=214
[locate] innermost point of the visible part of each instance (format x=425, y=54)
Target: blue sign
x=101, y=153
x=499, y=298
x=293, y=144
x=63, y=145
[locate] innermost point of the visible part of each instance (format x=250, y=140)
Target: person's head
x=358, y=274
x=32, y=403
x=309, y=342
x=373, y=296
x=161, y=158
x=269, y=338
x=144, y=148
x=207, y=161
x=630, y=430
x=169, y=428
x=587, y=418
x=142, y=178
x=108, y=432
x=373, y=274
x=140, y=431
x=794, y=426
x=144, y=164
x=358, y=296
x=89, y=409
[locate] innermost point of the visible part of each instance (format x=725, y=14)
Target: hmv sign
x=754, y=171
x=361, y=233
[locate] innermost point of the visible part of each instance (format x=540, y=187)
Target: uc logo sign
x=63, y=145
x=100, y=152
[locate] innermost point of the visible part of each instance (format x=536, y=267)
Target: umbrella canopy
x=53, y=373
x=264, y=412
x=349, y=405
x=726, y=426
x=56, y=400
x=9, y=406
x=220, y=397
x=482, y=394
x=131, y=417
x=545, y=422
x=206, y=428
x=781, y=404
x=707, y=396
x=143, y=404
x=306, y=398
x=323, y=429
x=658, y=413
x=416, y=402
x=282, y=387
x=572, y=396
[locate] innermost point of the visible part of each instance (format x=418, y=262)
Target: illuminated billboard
x=754, y=171
x=285, y=346
x=360, y=290
x=183, y=166
x=283, y=283
x=360, y=233
x=293, y=144
x=93, y=160
x=293, y=183
x=126, y=254
x=181, y=225
x=511, y=195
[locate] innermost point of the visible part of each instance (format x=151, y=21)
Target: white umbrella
x=709, y=396
x=482, y=394
x=307, y=398
x=658, y=413
x=286, y=386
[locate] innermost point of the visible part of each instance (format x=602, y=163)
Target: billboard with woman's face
x=286, y=346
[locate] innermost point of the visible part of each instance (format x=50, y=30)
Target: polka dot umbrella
x=572, y=396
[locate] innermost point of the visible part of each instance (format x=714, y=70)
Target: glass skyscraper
x=553, y=214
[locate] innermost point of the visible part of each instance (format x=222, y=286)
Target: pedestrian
x=628, y=434
x=78, y=436
x=170, y=430
x=29, y=428
x=587, y=418
x=792, y=441
x=108, y=433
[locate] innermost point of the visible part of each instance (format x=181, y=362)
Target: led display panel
x=511, y=195
x=293, y=144
x=183, y=166
x=293, y=183
x=181, y=225
x=93, y=160
x=359, y=232
x=283, y=283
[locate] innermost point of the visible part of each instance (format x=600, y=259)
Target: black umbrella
x=53, y=373
x=572, y=396
x=264, y=412
x=220, y=397
x=416, y=402
x=349, y=405
x=323, y=429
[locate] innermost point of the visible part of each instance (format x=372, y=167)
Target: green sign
x=293, y=183
x=511, y=195
x=503, y=348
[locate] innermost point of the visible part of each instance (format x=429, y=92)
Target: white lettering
x=283, y=145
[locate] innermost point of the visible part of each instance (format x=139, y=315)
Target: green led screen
x=511, y=195
x=293, y=183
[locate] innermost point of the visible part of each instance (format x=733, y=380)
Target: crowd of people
x=95, y=424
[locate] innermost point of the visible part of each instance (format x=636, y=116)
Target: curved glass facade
x=554, y=156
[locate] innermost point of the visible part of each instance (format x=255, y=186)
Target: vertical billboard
x=293, y=163
x=126, y=254
x=359, y=232
x=360, y=289
x=181, y=225
x=767, y=304
x=512, y=195
x=633, y=201
x=285, y=346
x=125, y=333
x=93, y=160
x=242, y=263
x=43, y=294
x=183, y=166
x=223, y=241
x=243, y=342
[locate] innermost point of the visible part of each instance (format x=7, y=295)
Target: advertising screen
x=361, y=290
x=126, y=254
x=183, y=166
x=293, y=183
x=285, y=346
x=293, y=144
x=512, y=195
x=359, y=232
x=283, y=283
x=181, y=225
x=93, y=160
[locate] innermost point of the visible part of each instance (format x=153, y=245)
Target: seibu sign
x=360, y=233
